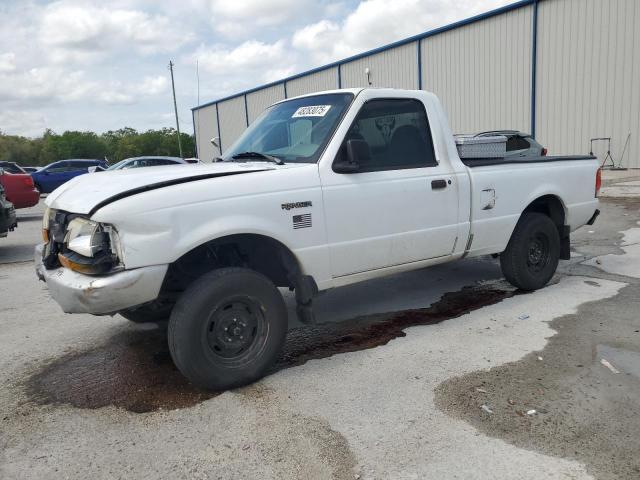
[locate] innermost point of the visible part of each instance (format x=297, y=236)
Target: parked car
x=321, y=191
x=11, y=167
x=48, y=178
x=8, y=219
x=518, y=143
x=19, y=189
x=138, y=162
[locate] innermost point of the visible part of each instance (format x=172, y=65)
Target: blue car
x=49, y=178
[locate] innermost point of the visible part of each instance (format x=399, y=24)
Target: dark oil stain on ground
x=134, y=370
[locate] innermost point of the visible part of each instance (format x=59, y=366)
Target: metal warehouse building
x=564, y=70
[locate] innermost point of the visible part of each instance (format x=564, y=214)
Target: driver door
x=401, y=206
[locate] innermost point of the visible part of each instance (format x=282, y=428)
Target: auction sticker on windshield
x=311, y=111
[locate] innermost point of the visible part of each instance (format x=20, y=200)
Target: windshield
x=295, y=130
x=119, y=165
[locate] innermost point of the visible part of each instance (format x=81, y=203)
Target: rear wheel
x=228, y=328
x=532, y=255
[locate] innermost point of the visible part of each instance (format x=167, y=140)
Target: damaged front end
x=80, y=244
x=81, y=262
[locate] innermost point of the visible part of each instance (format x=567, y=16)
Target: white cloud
x=22, y=122
x=7, y=62
x=229, y=16
x=80, y=32
x=377, y=22
x=153, y=85
x=56, y=84
x=251, y=60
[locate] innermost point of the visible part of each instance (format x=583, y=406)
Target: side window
x=132, y=164
x=76, y=166
x=58, y=168
x=516, y=142
x=397, y=134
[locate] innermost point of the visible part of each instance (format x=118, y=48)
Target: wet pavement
x=583, y=408
x=133, y=370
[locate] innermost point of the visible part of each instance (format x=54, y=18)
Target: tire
x=148, y=313
x=533, y=252
x=201, y=342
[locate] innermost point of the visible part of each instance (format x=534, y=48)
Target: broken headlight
x=86, y=237
x=47, y=220
x=90, y=247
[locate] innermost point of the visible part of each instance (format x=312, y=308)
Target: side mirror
x=215, y=141
x=357, y=152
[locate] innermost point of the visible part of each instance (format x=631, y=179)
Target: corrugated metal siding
x=233, y=120
x=258, y=101
x=482, y=72
x=395, y=68
x=588, y=76
x=315, y=82
x=206, y=127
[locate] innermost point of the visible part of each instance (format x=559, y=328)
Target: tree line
x=113, y=145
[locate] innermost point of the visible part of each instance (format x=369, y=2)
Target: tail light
x=28, y=181
x=544, y=151
x=598, y=181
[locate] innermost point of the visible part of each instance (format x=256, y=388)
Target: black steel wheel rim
x=236, y=331
x=538, y=252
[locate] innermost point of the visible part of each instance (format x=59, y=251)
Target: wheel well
x=257, y=252
x=551, y=206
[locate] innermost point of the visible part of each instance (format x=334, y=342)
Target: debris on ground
x=481, y=390
x=606, y=363
x=487, y=409
x=531, y=412
x=540, y=358
x=524, y=316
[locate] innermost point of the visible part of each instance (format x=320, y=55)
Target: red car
x=19, y=189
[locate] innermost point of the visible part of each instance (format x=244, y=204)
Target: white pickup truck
x=320, y=191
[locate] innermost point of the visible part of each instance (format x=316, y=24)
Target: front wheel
x=227, y=328
x=533, y=252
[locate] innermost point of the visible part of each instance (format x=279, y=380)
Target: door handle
x=438, y=184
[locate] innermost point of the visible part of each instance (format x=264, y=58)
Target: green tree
x=114, y=145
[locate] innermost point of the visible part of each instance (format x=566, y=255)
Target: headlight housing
x=90, y=247
x=86, y=237
x=47, y=219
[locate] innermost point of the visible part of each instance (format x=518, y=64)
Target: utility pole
x=175, y=108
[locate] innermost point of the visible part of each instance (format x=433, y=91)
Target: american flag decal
x=302, y=221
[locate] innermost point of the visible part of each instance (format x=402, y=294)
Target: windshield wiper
x=258, y=155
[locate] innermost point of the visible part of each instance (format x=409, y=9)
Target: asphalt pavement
x=446, y=372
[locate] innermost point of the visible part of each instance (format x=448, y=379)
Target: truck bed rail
x=483, y=162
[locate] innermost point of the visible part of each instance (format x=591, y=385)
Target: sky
x=103, y=65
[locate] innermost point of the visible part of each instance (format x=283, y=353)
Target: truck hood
x=86, y=194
